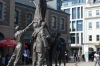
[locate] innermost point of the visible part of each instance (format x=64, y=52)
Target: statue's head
x=17, y=28
x=43, y=24
x=48, y=37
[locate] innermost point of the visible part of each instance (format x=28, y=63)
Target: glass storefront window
x=67, y=3
x=77, y=36
x=79, y=25
x=78, y=12
x=73, y=26
x=73, y=13
x=81, y=12
x=67, y=11
x=72, y=36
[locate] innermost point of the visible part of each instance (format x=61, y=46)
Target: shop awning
x=9, y=42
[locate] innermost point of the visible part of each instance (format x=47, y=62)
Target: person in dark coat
x=7, y=58
x=62, y=50
x=75, y=54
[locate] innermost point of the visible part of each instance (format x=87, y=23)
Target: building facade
x=22, y=13
x=6, y=18
x=7, y=8
x=76, y=10
x=92, y=25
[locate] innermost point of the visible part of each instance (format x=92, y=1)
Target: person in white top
x=78, y=56
x=96, y=59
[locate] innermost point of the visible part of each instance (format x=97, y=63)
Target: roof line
x=27, y=6
x=17, y=3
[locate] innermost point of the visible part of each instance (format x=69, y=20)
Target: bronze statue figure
x=40, y=43
x=18, y=52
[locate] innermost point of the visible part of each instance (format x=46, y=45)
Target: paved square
x=80, y=64
x=73, y=64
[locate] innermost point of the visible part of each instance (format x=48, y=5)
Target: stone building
x=7, y=8
x=22, y=13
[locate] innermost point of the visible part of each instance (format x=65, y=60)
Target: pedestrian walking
x=75, y=54
x=78, y=57
x=96, y=59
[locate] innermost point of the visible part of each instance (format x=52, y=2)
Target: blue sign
x=69, y=41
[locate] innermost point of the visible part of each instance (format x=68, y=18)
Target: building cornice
x=88, y=6
x=27, y=6
x=90, y=43
x=97, y=17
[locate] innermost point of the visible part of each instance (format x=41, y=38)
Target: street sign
x=69, y=41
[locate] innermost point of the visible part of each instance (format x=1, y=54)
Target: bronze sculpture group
x=44, y=47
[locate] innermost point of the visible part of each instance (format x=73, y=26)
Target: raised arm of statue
x=28, y=26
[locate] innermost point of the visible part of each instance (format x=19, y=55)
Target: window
x=58, y=5
x=16, y=16
x=90, y=13
x=74, y=2
x=97, y=12
x=81, y=12
x=81, y=1
x=90, y=24
x=98, y=37
x=67, y=11
x=94, y=1
x=62, y=24
x=73, y=13
x=98, y=0
x=91, y=1
x=0, y=10
x=77, y=36
x=90, y=37
x=97, y=24
x=73, y=25
x=54, y=22
x=81, y=38
x=70, y=25
x=72, y=36
x=79, y=25
x=30, y=18
x=78, y=12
